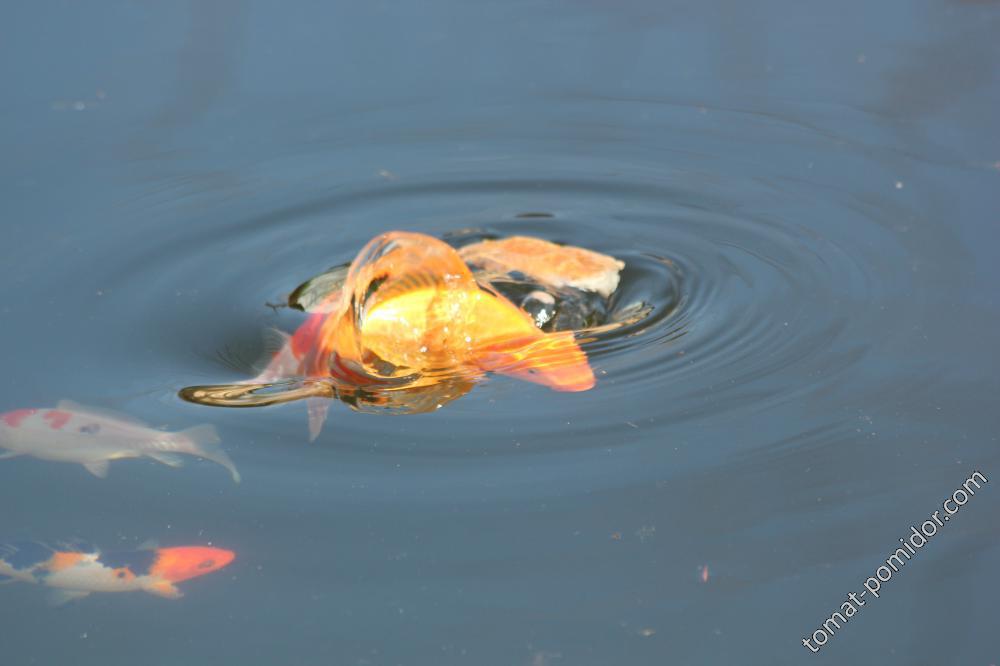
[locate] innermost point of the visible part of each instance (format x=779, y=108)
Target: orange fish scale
x=62, y=560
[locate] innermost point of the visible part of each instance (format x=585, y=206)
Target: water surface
x=817, y=184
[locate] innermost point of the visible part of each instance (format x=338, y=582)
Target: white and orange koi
x=77, y=569
x=92, y=438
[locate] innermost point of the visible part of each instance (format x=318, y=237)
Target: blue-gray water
x=822, y=179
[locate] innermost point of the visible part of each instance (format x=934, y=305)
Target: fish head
x=183, y=562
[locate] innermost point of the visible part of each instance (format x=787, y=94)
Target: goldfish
x=90, y=437
x=76, y=569
x=409, y=315
x=411, y=305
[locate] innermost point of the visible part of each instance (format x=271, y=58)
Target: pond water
x=808, y=196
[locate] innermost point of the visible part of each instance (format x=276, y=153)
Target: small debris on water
x=542, y=658
x=899, y=184
x=646, y=532
x=79, y=104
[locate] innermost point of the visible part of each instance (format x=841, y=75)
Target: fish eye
x=90, y=429
x=121, y=573
x=206, y=564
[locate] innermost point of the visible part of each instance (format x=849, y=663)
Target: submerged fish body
x=75, y=569
x=545, y=261
x=92, y=438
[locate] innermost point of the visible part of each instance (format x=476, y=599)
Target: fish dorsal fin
x=98, y=469
x=320, y=293
x=77, y=408
x=63, y=597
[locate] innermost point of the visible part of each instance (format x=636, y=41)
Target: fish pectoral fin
x=317, y=408
x=98, y=469
x=62, y=597
x=552, y=359
x=10, y=454
x=169, y=459
x=166, y=589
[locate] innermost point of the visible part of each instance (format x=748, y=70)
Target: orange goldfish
x=77, y=569
x=411, y=316
x=411, y=305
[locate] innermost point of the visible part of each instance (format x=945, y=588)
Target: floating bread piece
x=557, y=265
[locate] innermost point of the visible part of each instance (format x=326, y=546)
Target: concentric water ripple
x=747, y=302
x=739, y=306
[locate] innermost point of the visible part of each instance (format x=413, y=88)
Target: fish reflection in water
x=90, y=437
x=408, y=327
x=75, y=569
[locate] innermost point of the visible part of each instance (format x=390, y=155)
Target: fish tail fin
x=554, y=360
x=205, y=443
